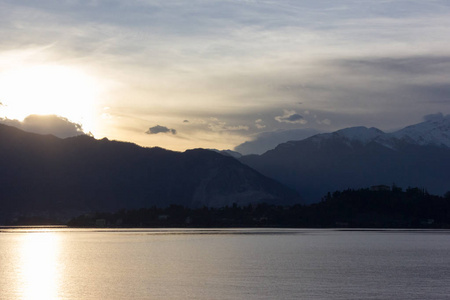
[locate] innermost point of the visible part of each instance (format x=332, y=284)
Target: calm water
x=224, y=264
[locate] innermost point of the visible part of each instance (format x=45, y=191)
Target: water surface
x=223, y=264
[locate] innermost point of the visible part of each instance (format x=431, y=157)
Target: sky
x=217, y=74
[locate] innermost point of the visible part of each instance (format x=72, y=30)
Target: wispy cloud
x=259, y=124
x=216, y=125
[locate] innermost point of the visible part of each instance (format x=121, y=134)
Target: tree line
x=390, y=207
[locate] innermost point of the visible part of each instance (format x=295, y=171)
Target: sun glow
x=49, y=90
x=39, y=266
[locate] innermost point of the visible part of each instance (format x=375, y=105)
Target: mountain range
x=44, y=175
x=357, y=157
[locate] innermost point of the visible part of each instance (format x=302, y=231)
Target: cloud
x=383, y=62
x=268, y=140
x=290, y=116
x=186, y=121
x=321, y=122
x=239, y=127
x=160, y=129
x=389, y=91
x=399, y=66
x=218, y=126
x=48, y=124
x=324, y=121
x=259, y=124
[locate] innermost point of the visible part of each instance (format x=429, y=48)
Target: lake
x=62, y=263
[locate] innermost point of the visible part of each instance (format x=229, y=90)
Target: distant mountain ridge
x=434, y=132
x=43, y=174
x=265, y=141
x=357, y=157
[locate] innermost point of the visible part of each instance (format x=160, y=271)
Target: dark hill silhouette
x=46, y=175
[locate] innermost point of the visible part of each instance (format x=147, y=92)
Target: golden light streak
x=38, y=271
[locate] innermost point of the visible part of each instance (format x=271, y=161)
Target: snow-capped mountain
x=435, y=131
x=359, y=157
x=359, y=134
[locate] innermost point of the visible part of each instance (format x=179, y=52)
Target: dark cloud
x=160, y=129
x=49, y=124
x=291, y=116
x=186, y=121
x=388, y=92
x=402, y=80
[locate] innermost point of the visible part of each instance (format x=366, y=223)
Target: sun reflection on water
x=38, y=270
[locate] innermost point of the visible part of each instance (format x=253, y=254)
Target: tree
x=447, y=195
